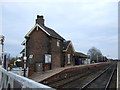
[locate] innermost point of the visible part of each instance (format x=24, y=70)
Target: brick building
x=46, y=49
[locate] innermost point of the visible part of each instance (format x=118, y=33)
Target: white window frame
x=68, y=58
x=30, y=58
x=58, y=43
x=47, y=58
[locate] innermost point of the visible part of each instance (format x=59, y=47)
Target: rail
x=108, y=83
x=106, y=87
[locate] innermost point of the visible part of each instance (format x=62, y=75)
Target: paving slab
x=39, y=76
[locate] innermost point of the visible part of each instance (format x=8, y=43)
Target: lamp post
x=2, y=52
x=25, y=58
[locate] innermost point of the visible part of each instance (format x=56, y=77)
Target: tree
x=95, y=54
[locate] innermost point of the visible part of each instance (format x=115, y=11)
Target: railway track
x=73, y=81
x=104, y=80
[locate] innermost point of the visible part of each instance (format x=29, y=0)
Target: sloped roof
x=80, y=54
x=66, y=45
x=52, y=32
x=23, y=43
x=23, y=51
x=47, y=30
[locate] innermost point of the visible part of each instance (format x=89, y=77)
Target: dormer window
x=58, y=43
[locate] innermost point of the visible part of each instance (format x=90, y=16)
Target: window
x=58, y=43
x=47, y=58
x=30, y=58
x=68, y=58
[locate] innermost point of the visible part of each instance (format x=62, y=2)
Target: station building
x=45, y=49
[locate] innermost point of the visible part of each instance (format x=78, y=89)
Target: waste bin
x=38, y=67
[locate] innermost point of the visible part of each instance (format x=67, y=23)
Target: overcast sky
x=86, y=23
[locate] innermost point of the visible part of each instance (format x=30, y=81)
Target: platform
x=39, y=76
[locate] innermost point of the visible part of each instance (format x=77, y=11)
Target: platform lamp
x=2, y=52
x=25, y=59
x=25, y=56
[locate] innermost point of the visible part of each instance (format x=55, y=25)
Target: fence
x=9, y=81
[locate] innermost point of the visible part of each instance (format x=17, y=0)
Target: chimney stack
x=40, y=20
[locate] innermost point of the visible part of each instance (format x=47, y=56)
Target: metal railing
x=9, y=81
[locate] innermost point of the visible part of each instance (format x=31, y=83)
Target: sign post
x=2, y=52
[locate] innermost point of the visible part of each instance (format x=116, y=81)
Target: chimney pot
x=38, y=16
x=40, y=19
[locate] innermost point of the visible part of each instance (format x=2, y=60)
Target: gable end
x=32, y=29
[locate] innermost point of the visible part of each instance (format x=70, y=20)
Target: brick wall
x=56, y=53
x=69, y=51
x=38, y=44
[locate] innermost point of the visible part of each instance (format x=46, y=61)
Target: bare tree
x=95, y=54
